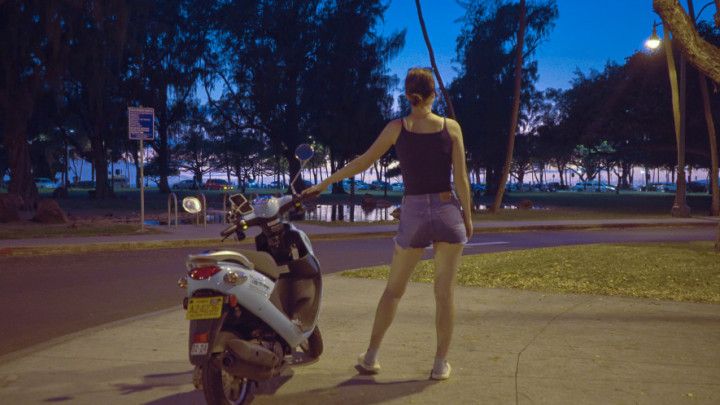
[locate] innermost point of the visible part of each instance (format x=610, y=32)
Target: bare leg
x=403, y=263
x=447, y=260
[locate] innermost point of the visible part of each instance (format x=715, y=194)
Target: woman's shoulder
x=391, y=131
x=453, y=128
x=451, y=123
x=395, y=124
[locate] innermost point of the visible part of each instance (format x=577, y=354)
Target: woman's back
x=424, y=149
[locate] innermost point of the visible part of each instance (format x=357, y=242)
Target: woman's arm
x=460, y=177
x=384, y=141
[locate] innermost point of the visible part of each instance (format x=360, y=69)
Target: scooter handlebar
x=295, y=202
x=228, y=231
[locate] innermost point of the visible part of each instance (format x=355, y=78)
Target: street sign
x=141, y=123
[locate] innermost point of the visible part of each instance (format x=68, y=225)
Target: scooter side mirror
x=242, y=204
x=304, y=152
x=192, y=205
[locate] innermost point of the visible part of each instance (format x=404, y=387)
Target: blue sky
x=587, y=34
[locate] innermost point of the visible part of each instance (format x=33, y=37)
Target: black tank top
x=425, y=160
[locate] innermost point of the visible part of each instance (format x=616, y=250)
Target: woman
x=430, y=149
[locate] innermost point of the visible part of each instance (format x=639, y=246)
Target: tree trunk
x=677, y=90
x=294, y=169
x=712, y=136
x=446, y=96
x=515, y=111
x=17, y=116
x=21, y=177
x=101, y=167
x=561, y=170
x=702, y=54
x=163, y=152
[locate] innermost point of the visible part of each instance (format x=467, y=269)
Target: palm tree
x=515, y=110
x=450, y=109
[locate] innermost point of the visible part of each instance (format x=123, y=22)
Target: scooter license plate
x=204, y=308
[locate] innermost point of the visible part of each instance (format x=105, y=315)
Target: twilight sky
x=587, y=34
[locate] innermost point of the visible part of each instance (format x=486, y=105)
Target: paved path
x=72, y=292
x=509, y=347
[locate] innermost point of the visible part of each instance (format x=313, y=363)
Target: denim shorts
x=428, y=218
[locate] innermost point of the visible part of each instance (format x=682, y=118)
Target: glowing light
x=654, y=41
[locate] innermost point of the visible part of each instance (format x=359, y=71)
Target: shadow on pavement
x=152, y=381
x=359, y=389
x=193, y=397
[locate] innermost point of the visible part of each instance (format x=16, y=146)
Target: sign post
x=141, y=122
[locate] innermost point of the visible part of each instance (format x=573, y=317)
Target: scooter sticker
x=198, y=349
x=260, y=286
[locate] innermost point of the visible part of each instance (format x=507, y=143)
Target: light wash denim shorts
x=428, y=218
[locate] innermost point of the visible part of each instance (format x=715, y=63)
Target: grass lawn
x=347, y=223
x=28, y=230
x=554, y=214
x=669, y=271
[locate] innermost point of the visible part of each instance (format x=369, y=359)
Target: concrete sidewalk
x=509, y=347
x=212, y=231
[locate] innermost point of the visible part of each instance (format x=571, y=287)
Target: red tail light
x=204, y=272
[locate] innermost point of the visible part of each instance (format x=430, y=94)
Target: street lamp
x=677, y=90
x=654, y=41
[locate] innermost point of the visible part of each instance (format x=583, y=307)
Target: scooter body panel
x=253, y=295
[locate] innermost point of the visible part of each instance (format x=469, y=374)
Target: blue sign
x=141, y=122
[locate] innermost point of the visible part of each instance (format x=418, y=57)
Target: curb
x=49, y=250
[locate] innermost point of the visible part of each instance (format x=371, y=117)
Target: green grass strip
x=668, y=271
x=32, y=231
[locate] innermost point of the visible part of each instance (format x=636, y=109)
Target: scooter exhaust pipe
x=243, y=359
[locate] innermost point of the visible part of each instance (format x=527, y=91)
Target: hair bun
x=419, y=85
x=415, y=98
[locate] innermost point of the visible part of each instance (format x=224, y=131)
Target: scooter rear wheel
x=221, y=388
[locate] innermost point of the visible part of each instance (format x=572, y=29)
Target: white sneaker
x=442, y=374
x=373, y=368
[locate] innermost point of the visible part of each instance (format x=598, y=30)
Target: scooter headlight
x=182, y=282
x=234, y=278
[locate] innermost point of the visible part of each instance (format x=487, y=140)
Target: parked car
x=555, y=186
x=44, y=183
x=700, y=186
x=252, y=184
x=593, y=186
x=665, y=187
x=397, y=186
x=218, y=184
x=477, y=187
x=359, y=185
x=517, y=187
x=277, y=184
x=539, y=187
x=186, y=185
x=83, y=184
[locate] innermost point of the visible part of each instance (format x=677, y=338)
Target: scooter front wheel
x=315, y=344
x=221, y=388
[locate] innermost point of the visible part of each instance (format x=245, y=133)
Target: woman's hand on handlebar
x=314, y=191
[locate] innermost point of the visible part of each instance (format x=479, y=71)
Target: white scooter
x=248, y=309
